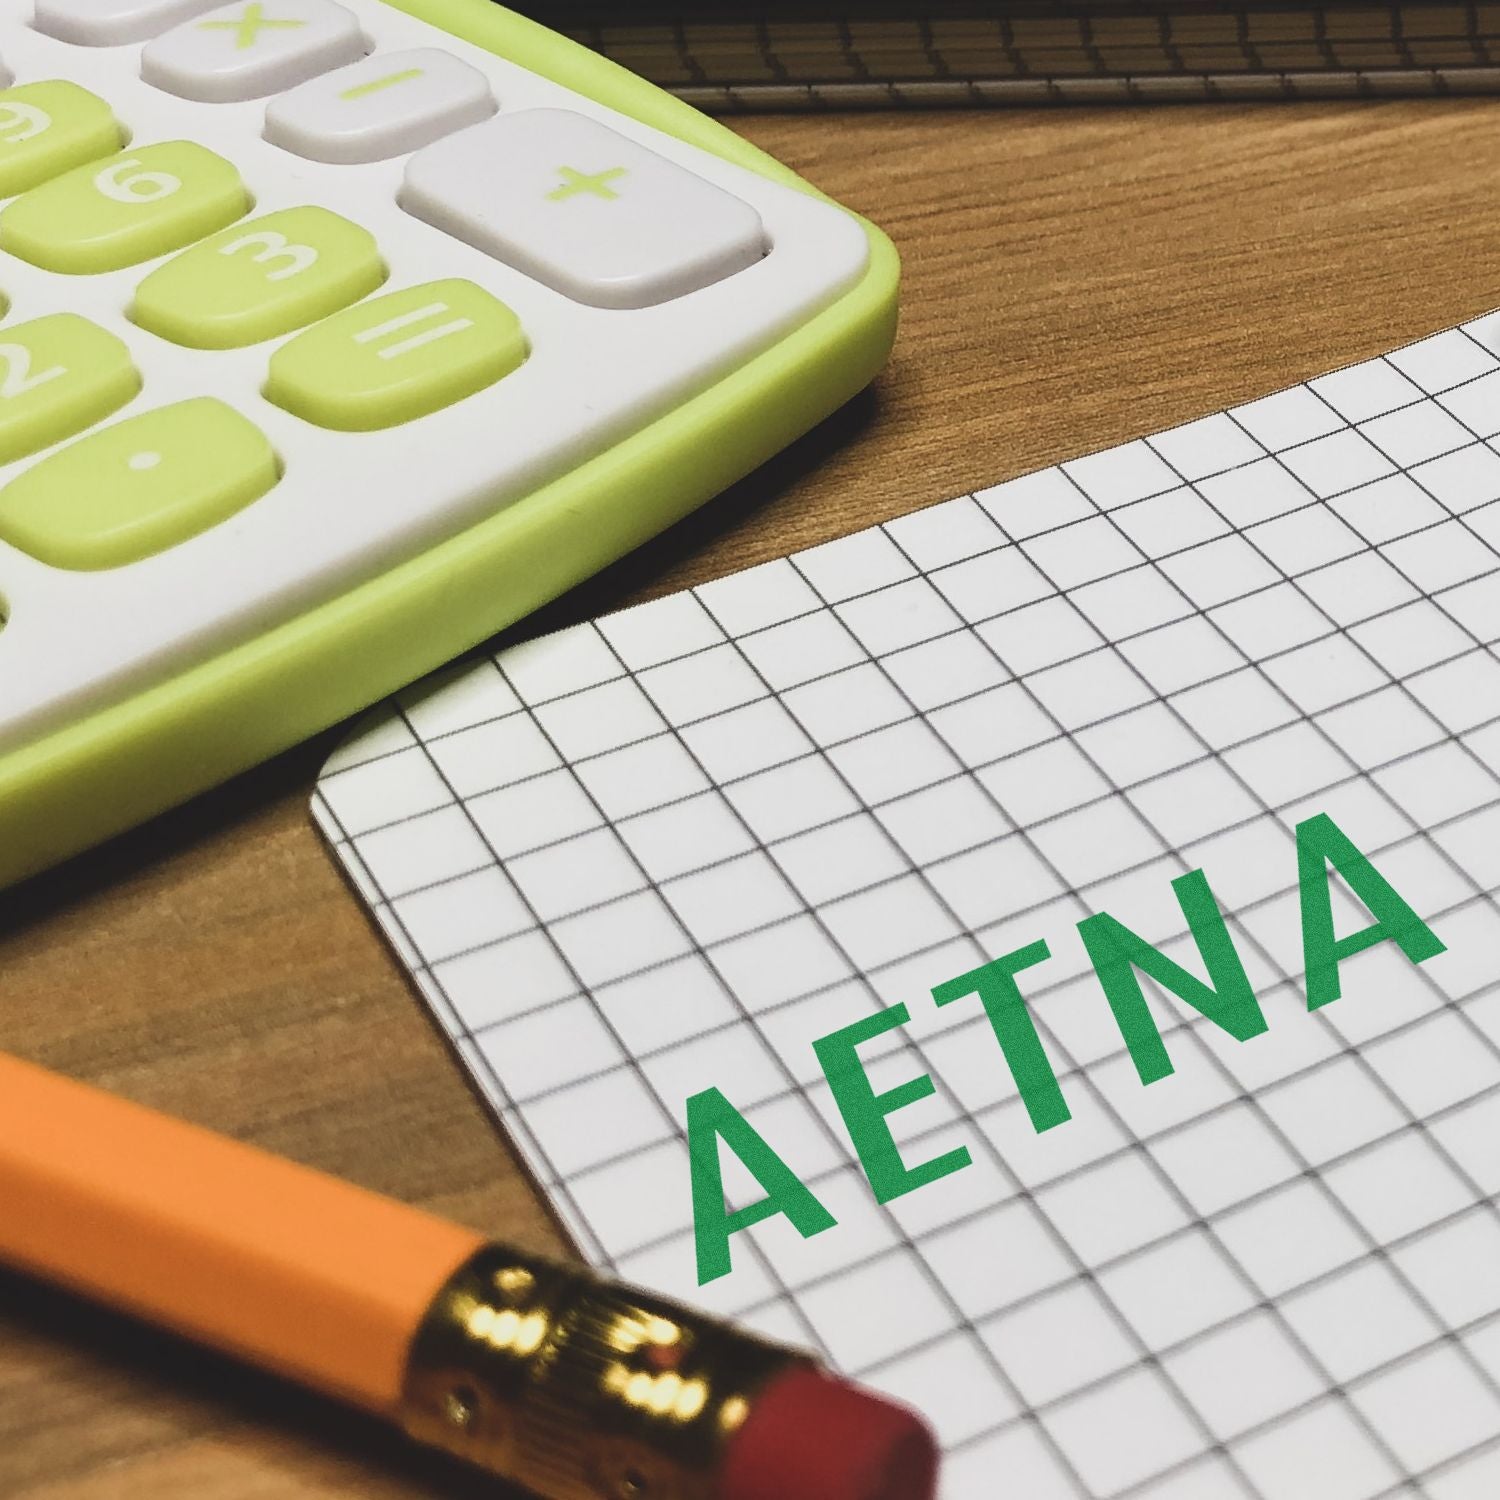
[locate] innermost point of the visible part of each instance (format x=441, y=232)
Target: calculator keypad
x=380, y=107
x=130, y=490
x=399, y=356
x=259, y=279
x=58, y=375
x=108, y=23
x=252, y=48
x=128, y=208
x=243, y=369
x=582, y=209
x=45, y=128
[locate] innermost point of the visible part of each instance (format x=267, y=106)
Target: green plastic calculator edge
x=126, y=763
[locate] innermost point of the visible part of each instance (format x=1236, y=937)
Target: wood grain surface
x=1074, y=279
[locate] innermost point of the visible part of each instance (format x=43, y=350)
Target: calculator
x=339, y=335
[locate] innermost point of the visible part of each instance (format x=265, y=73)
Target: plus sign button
x=583, y=209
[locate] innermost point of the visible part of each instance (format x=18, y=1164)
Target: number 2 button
x=58, y=375
x=119, y=212
x=259, y=280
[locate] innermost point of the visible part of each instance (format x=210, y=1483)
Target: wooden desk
x=1073, y=279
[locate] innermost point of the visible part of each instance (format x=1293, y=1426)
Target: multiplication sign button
x=582, y=209
x=252, y=48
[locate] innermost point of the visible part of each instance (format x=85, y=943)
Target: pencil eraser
x=811, y=1436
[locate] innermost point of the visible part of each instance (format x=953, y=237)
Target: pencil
x=540, y=1372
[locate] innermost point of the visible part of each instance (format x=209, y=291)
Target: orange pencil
x=539, y=1372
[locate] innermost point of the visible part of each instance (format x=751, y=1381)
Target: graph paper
x=668, y=850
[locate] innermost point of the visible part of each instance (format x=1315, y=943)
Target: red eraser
x=811, y=1436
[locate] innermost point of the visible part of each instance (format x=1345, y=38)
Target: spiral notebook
x=667, y=850
x=792, y=54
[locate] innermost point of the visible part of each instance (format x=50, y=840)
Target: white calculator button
x=107, y=23
x=251, y=48
x=379, y=107
x=582, y=209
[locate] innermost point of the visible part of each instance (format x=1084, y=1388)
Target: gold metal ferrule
x=579, y=1389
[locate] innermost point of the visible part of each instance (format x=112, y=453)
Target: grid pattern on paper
x=671, y=848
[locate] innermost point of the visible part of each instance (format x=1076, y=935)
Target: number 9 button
x=45, y=128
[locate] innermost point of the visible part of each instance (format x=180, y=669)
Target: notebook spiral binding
x=726, y=58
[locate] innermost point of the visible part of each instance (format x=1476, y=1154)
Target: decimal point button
x=128, y=491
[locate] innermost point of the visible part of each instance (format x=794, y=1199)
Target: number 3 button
x=259, y=280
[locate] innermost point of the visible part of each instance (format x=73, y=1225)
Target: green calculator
x=339, y=335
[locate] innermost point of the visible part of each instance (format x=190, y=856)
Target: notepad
x=669, y=849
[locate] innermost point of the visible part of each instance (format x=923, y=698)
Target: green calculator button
x=138, y=487
x=58, y=375
x=125, y=209
x=45, y=128
x=259, y=280
x=397, y=357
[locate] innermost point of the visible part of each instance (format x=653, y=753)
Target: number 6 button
x=259, y=280
x=400, y=356
x=119, y=212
